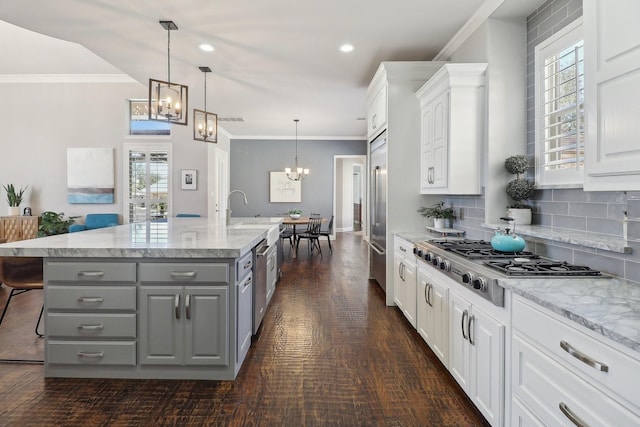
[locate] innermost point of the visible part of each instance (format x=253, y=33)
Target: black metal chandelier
x=205, y=124
x=168, y=102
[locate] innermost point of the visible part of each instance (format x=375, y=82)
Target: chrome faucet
x=229, y=199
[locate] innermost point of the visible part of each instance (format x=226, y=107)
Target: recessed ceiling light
x=346, y=47
x=206, y=47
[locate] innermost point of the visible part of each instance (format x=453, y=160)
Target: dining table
x=303, y=220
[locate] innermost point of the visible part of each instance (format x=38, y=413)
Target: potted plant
x=14, y=198
x=294, y=213
x=442, y=216
x=52, y=223
x=518, y=189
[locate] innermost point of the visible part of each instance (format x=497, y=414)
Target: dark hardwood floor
x=329, y=353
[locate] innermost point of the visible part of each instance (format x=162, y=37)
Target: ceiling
x=273, y=61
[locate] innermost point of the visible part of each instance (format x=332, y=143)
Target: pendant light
x=168, y=102
x=298, y=172
x=205, y=124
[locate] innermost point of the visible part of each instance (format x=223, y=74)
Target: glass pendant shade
x=168, y=101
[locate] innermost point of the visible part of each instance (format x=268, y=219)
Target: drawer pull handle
x=176, y=300
x=247, y=265
x=90, y=300
x=187, y=306
x=583, y=357
x=85, y=355
x=97, y=327
x=572, y=417
x=183, y=274
x=248, y=282
x=91, y=273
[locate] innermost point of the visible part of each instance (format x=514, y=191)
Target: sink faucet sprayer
x=229, y=199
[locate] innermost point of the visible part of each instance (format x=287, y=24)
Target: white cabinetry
x=404, y=279
x=452, y=130
x=377, y=112
x=476, y=356
x=432, y=311
x=564, y=374
x=612, y=90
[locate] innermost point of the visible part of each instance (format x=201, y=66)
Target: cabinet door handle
x=464, y=314
x=90, y=300
x=429, y=295
x=430, y=171
x=85, y=355
x=583, y=357
x=187, y=306
x=91, y=273
x=183, y=274
x=176, y=302
x=472, y=319
x=400, y=271
x=426, y=293
x=572, y=417
x=373, y=121
x=96, y=327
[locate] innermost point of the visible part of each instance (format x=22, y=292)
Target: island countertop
x=176, y=238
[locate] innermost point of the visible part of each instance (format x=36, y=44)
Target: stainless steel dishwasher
x=260, y=284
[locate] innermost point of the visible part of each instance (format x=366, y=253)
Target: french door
x=147, y=182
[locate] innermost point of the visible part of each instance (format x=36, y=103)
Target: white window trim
x=161, y=146
x=567, y=178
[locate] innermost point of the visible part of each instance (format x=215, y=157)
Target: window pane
x=139, y=123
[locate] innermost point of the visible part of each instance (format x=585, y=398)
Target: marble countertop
x=609, y=306
x=176, y=238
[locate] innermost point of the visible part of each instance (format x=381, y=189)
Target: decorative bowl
x=294, y=216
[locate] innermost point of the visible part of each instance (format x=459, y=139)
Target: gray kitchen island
x=166, y=300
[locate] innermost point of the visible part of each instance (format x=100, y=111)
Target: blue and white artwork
x=90, y=175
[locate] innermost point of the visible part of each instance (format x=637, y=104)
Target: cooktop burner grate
x=540, y=267
x=479, y=249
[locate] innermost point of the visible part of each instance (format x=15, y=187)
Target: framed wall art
x=90, y=175
x=189, y=179
x=283, y=190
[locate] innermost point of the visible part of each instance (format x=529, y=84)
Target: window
x=559, y=114
x=139, y=123
x=147, y=182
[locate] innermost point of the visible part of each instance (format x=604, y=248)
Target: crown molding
x=477, y=19
x=66, y=78
x=301, y=138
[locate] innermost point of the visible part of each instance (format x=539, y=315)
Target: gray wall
x=597, y=212
x=251, y=161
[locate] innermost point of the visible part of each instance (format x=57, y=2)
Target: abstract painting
x=90, y=175
x=282, y=189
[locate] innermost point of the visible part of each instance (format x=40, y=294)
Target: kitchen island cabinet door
x=160, y=327
x=206, y=325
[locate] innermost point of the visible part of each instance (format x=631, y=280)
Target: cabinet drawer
x=551, y=330
x=63, y=297
x=76, y=325
x=543, y=385
x=184, y=273
x=404, y=248
x=243, y=266
x=122, y=272
x=92, y=352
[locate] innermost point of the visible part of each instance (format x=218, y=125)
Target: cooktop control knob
x=467, y=278
x=435, y=260
x=445, y=265
x=417, y=252
x=427, y=256
x=480, y=284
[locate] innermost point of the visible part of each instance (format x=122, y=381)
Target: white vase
x=440, y=223
x=13, y=211
x=520, y=216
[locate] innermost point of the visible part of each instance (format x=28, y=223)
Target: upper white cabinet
x=377, y=112
x=612, y=90
x=452, y=130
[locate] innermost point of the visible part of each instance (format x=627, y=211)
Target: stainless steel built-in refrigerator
x=378, y=211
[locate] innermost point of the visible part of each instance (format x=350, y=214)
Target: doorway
x=349, y=192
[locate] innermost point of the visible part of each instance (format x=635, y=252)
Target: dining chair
x=312, y=234
x=328, y=232
x=287, y=234
x=187, y=215
x=21, y=274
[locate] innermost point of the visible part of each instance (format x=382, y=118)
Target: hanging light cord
x=169, y=53
x=205, y=92
x=296, y=120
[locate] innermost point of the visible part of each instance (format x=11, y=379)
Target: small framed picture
x=189, y=179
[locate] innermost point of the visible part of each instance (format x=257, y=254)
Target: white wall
x=41, y=120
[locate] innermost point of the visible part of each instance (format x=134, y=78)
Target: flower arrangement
x=294, y=212
x=518, y=189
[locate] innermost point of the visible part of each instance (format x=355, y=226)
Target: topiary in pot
x=518, y=189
